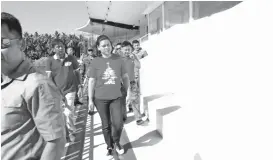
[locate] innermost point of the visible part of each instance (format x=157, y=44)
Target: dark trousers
x=110, y=112
x=77, y=99
x=123, y=101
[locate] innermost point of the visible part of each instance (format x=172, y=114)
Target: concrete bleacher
x=214, y=100
x=221, y=83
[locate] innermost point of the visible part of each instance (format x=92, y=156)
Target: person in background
x=61, y=69
x=140, y=54
x=133, y=66
x=70, y=52
x=117, y=50
x=84, y=65
x=105, y=75
x=122, y=89
x=32, y=122
x=138, y=51
x=85, y=61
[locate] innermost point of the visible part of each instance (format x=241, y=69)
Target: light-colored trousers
x=70, y=114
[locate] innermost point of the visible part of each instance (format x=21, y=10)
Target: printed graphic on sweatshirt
x=109, y=75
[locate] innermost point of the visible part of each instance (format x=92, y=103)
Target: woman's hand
x=91, y=105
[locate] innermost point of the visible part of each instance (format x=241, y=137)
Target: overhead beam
x=115, y=24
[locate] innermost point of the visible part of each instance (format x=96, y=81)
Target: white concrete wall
x=225, y=64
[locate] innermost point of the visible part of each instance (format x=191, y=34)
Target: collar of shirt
x=56, y=57
x=5, y=79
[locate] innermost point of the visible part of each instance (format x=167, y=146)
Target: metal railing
x=144, y=38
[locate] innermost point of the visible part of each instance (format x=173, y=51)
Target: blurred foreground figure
x=32, y=124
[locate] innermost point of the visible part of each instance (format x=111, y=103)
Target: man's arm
x=126, y=83
x=127, y=67
x=48, y=118
x=76, y=69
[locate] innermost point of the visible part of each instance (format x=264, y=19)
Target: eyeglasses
x=6, y=43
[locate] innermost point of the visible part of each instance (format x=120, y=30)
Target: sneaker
x=109, y=152
x=124, y=119
x=145, y=118
x=130, y=110
x=78, y=102
x=139, y=122
x=119, y=148
x=91, y=113
x=70, y=138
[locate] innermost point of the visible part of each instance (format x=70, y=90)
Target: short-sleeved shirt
x=86, y=61
x=108, y=73
x=63, y=74
x=31, y=114
x=129, y=64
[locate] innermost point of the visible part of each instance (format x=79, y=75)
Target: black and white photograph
x=137, y=80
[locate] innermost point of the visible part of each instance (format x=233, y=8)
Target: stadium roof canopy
x=116, y=18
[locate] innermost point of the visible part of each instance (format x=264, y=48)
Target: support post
x=190, y=11
x=163, y=16
x=148, y=15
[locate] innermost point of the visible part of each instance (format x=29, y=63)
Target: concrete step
x=170, y=117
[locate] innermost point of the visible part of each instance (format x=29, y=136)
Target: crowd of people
x=38, y=107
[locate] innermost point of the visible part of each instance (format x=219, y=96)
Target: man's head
x=118, y=49
x=70, y=50
x=90, y=51
x=11, y=43
x=136, y=44
x=127, y=48
x=58, y=47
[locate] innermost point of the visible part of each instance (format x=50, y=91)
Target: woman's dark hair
x=99, y=39
x=12, y=23
x=126, y=43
